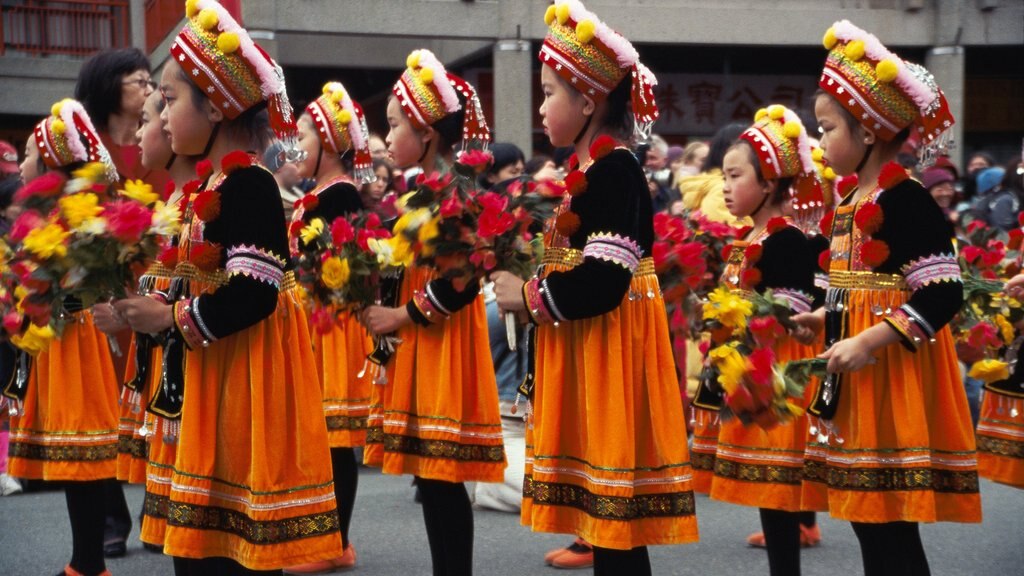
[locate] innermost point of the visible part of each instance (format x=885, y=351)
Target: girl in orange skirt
x=332, y=132
x=756, y=466
x=437, y=415
x=901, y=449
x=250, y=488
x=606, y=443
x=65, y=428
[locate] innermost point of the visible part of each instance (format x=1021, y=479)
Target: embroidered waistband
x=862, y=280
x=571, y=257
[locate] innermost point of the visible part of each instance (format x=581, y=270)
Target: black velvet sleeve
x=340, y=199
x=616, y=202
x=817, y=244
x=251, y=230
x=786, y=266
x=441, y=297
x=920, y=244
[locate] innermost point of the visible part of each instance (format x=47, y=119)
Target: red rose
x=983, y=335
x=207, y=205
x=322, y=320
x=753, y=253
x=762, y=361
x=478, y=160
x=204, y=168
x=205, y=255
x=576, y=183
x=168, y=256
x=971, y=253
x=127, y=220
x=46, y=186
x=661, y=224
x=990, y=259
x=976, y=225
x=434, y=181
x=602, y=146
x=869, y=217
x=493, y=223
x=373, y=221
x=691, y=255
x=766, y=330
x=235, y=160
x=490, y=201
x=750, y=278
x=891, y=175
x=342, y=232
x=873, y=253
x=661, y=253
x=825, y=224
x=776, y=224
x=1016, y=236
x=824, y=259
x=567, y=223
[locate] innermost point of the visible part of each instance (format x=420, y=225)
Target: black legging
x=782, y=540
x=86, y=511
x=635, y=562
x=449, y=519
x=216, y=567
x=346, y=480
x=891, y=549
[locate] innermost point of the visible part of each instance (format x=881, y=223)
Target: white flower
x=92, y=227
x=166, y=219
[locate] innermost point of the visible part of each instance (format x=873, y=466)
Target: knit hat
x=885, y=93
x=594, y=59
x=989, y=178
x=67, y=136
x=935, y=176
x=233, y=71
x=428, y=93
x=341, y=126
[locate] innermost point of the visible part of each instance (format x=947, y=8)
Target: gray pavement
x=387, y=530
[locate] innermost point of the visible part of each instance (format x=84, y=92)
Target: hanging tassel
x=171, y=431
x=15, y=407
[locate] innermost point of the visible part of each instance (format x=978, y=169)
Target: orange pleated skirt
x=703, y=449
x=1001, y=439
x=764, y=468
x=437, y=416
x=251, y=478
x=340, y=356
x=904, y=448
x=132, y=446
x=606, y=455
x=67, y=428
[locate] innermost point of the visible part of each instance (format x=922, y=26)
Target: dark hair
x=618, y=118
x=449, y=128
x=720, y=143
x=782, y=185
x=377, y=163
x=253, y=125
x=984, y=156
x=533, y=165
x=8, y=186
x=99, y=82
x=505, y=154
x=852, y=123
x=1013, y=180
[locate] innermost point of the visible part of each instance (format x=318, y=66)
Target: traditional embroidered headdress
x=341, y=126
x=594, y=59
x=233, y=71
x=67, y=136
x=885, y=93
x=428, y=93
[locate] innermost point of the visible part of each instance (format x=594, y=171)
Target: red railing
x=75, y=28
x=162, y=16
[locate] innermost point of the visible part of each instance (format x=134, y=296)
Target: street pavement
x=387, y=530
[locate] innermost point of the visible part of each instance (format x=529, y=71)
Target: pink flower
x=13, y=322
x=494, y=223
x=127, y=220
x=451, y=208
x=766, y=330
x=373, y=221
x=484, y=259
x=46, y=186
x=492, y=201
x=434, y=181
x=478, y=160
x=26, y=222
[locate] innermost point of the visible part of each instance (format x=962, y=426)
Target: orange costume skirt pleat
x=251, y=479
x=67, y=429
x=340, y=355
x=706, y=426
x=132, y=446
x=437, y=416
x=1001, y=439
x=903, y=449
x=606, y=455
x=764, y=468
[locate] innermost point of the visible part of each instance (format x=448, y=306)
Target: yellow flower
x=166, y=219
x=989, y=370
x=1005, y=329
x=35, y=339
x=412, y=220
x=335, y=272
x=77, y=208
x=732, y=366
x=93, y=172
x=140, y=192
x=47, y=242
x=394, y=251
x=312, y=230
x=428, y=232
x=728, y=309
x=795, y=409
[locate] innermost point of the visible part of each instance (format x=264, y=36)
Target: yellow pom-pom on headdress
x=887, y=70
x=344, y=116
x=854, y=50
x=585, y=31
x=191, y=8
x=562, y=12
x=58, y=127
x=830, y=39
x=776, y=112
x=413, y=60
x=549, y=15
x=829, y=173
x=791, y=129
x=337, y=96
x=228, y=42
x=427, y=75
x=761, y=113
x=817, y=154
x=208, y=19
x=55, y=109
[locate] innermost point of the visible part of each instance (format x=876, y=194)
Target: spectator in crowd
x=940, y=184
x=690, y=161
x=659, y=177
x=373, y=192
x=287, y=176
x=976, y=162
x=509, y=163
x=542, y=168
x=704, y=191
x=378, y=149
x=993, y=204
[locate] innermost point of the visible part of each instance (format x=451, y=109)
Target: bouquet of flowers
x=337, y=266
x=741, y=364
x=77, y=242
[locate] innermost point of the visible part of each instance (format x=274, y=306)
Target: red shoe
x=69, y=571
x=579, y=554
x=552, y=554
x=809, y=537
x=347, y=561
x=756, y=539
